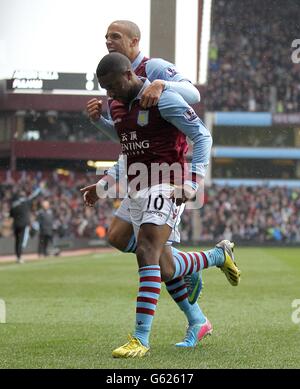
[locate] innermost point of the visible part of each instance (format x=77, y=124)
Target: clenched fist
x=94, y=109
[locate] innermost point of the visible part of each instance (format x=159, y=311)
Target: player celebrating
x=123, y=36
x=172, y=118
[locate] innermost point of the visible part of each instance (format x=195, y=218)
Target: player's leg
x=193, y=281
x=198, y=325
x=150, y=243
x=160, y=209
x=121, y=236
x=120, y=233
x=150, y=210
x=185, y=263
x=221, y=256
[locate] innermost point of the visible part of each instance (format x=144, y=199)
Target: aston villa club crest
x=143, y=118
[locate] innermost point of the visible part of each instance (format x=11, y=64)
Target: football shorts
x=153, y=205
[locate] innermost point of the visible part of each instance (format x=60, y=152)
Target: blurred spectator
x=250, y=65
x=45, y=219
x=20, y=212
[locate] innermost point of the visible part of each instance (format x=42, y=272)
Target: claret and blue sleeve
x=159, y=69
x=175, y=110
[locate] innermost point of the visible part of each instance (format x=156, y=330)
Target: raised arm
x=106, y=126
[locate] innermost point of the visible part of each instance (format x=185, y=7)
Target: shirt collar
x=139, y=95
x=136, y=63
x=146, y=83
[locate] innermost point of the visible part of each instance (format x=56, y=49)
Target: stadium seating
x=250, y=64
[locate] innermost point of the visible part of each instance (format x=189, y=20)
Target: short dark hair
x=113, y=63
x=133, y=30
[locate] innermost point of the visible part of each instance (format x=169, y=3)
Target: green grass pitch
x=72, y=312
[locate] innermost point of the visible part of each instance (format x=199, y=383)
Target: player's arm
x=92, y=193
x=163, y=75
x=175, y=110
x=94, y=110
x=117, y=170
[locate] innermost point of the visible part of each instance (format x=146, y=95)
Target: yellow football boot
x=229, y=268
x=132, y=349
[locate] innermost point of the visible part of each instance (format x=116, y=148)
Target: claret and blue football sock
x=131, y=247
x=148, y=295
x=178, y=291
x=202, y=260
x=191, y=262
x=215, y=256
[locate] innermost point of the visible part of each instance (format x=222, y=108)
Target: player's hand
x=89, y=194
x=182, y=194
x=94, y=109
x=92, y=193
x=152, y=94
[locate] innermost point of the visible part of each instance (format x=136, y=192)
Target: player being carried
x=123, y=36
x=153, y=204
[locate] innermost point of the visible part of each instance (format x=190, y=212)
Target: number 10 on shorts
x=2, y=311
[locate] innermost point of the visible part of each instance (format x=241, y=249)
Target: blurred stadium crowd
x=72, y=218
x=257, y=214
x=250, y=65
